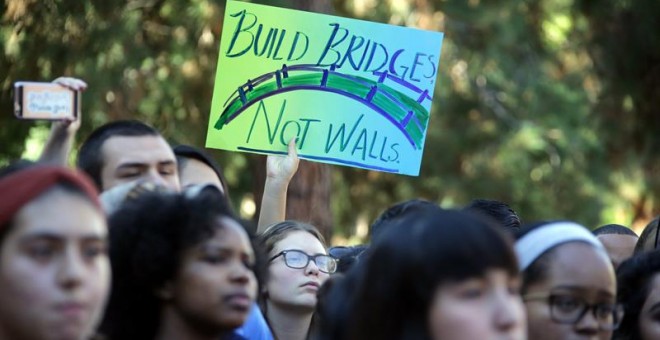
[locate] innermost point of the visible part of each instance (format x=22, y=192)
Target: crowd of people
x=140, y=241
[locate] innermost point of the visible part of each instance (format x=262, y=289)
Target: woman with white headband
x=569, y=287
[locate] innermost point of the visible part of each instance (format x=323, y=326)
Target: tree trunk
x=308, y=199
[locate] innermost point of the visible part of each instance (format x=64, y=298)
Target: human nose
x=71, y=270
x=240, y=273
x=587, y=324
x=312, y=268
x=155, y=177
x=508, y=312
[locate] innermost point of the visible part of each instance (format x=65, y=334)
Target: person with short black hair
x=433, y=274
x=125, y=151
x=501, y=212
x=618, y=240
x=639, y=293
x=183, y=268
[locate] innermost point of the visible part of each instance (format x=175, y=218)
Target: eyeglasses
x=567, y=309
x=298, y=259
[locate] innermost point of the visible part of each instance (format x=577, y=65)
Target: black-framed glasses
x=567, y=309
x=298, y=259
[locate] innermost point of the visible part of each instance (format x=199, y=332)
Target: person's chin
x=513, y=336
x=70, y=331
x=307, y=300
x=233, y=320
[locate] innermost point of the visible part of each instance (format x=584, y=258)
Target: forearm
x=57, y=148
x=273, y=203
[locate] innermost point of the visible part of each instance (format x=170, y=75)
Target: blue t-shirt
x=255, y=327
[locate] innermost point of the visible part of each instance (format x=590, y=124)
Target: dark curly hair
x=148, y=236
x=634, y=278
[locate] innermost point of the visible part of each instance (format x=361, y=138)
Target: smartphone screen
x=33, y=100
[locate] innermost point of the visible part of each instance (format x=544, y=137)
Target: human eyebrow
x=54, y=236
x=46, y=236
x=169, y=167
x=223, y=248
x=41, y=246
x=306, y=253
x=582, y=289
x=94, y=238
x=94, y=246
x=168, y=162
x=211, y=249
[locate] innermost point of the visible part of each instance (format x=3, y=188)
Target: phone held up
x=48, y=101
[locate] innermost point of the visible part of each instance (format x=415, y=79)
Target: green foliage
x=545, y=104
x=147, y=60
x=519, y=115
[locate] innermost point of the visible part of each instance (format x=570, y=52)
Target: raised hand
x=70, y=126
x=62, y=132
x=282, y=168
x=279, y=172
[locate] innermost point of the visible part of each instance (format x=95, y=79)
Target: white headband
x=538, y=241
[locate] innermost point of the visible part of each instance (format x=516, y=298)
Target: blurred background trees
x=552, y=106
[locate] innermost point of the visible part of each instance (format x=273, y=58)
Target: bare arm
x=279, y=172
x=62, y=132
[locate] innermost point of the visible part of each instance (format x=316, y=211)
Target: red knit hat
x=19, y=188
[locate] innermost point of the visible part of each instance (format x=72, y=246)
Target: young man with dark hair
x=618, y=240
x=115, y=153
x=128, y=150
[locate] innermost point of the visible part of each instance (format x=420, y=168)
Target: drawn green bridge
x=404, y=112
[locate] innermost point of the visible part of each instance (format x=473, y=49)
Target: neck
x=173, y=327
x=287, y=323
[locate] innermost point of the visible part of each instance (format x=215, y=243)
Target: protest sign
x=351, y=92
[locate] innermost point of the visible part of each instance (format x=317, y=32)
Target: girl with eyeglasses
x=569, y=288
x=298, y=265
